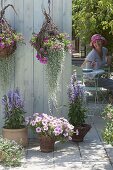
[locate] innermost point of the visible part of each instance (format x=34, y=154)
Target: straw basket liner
x=6, y=51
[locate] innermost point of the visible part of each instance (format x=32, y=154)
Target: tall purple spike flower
x=75, y=89
x=13, y=109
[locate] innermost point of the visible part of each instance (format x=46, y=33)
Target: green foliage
x=108, y=130
x=15, y=121
x=76, y=113
x=108, y=133
x=13, y=110
x=93, y=16
x=10, y=152
x=77, y=109
x=54, y=69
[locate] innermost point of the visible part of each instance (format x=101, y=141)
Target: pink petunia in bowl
x=57, y=128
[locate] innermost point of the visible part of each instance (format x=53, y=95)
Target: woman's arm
x=108, y=59
x=84, y=63
x=88, y=63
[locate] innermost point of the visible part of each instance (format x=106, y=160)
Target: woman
x=98, y=58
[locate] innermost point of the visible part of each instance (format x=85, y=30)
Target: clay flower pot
x=18, y=135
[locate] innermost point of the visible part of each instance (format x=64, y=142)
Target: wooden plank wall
x=27, y=73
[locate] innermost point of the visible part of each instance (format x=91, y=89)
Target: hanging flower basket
x=51, y=47
x=49, y=40
x=8, y=37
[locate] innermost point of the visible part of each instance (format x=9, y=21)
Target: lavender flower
x=75, y=89
x=77, y=110
x=13, y=109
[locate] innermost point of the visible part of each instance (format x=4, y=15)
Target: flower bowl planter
x=7, y=50
x=46, y=143
x=82, y=131
x=18, y=135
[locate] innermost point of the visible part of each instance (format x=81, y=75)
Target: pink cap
x=96, y=37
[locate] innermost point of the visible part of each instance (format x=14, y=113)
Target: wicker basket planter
x=46, y=143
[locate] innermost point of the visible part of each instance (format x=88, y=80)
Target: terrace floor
x=92, y=154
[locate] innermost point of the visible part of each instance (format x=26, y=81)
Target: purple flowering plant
x=8, y=39
x=13, y=110
x=47, y=125
x=76, y=94
x=8, y=36
x=50, y=43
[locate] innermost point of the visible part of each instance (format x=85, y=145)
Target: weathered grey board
x=28, y=74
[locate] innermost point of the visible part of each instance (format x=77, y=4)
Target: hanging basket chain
x=48, y=28
x=49, y=3
x=4, y=26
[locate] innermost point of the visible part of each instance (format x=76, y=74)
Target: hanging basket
x=49, y=40
x=8, y=36
x=8, y=50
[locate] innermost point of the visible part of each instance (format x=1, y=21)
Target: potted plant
x=14, y=124
x=8, y=36
x=77, y=111
x=107, y=133
x=10, y=152
x=50, y=129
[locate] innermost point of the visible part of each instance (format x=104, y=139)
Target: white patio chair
x=91, y=90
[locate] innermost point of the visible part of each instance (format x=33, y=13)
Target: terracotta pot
x=18, y=135
x=6, y=51
x=82, y=131
x=46, y=143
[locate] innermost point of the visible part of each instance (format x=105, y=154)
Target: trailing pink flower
x=50, y=42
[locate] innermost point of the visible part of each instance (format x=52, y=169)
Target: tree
x=93, y=16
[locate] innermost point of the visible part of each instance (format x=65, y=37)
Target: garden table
x=92, y=74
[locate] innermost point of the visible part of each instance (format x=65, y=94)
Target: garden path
x=92, y=154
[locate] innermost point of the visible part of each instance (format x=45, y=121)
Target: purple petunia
x=58, y=128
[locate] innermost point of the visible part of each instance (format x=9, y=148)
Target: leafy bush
x=91, y=17
x=108, y=130
x=10, y=152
